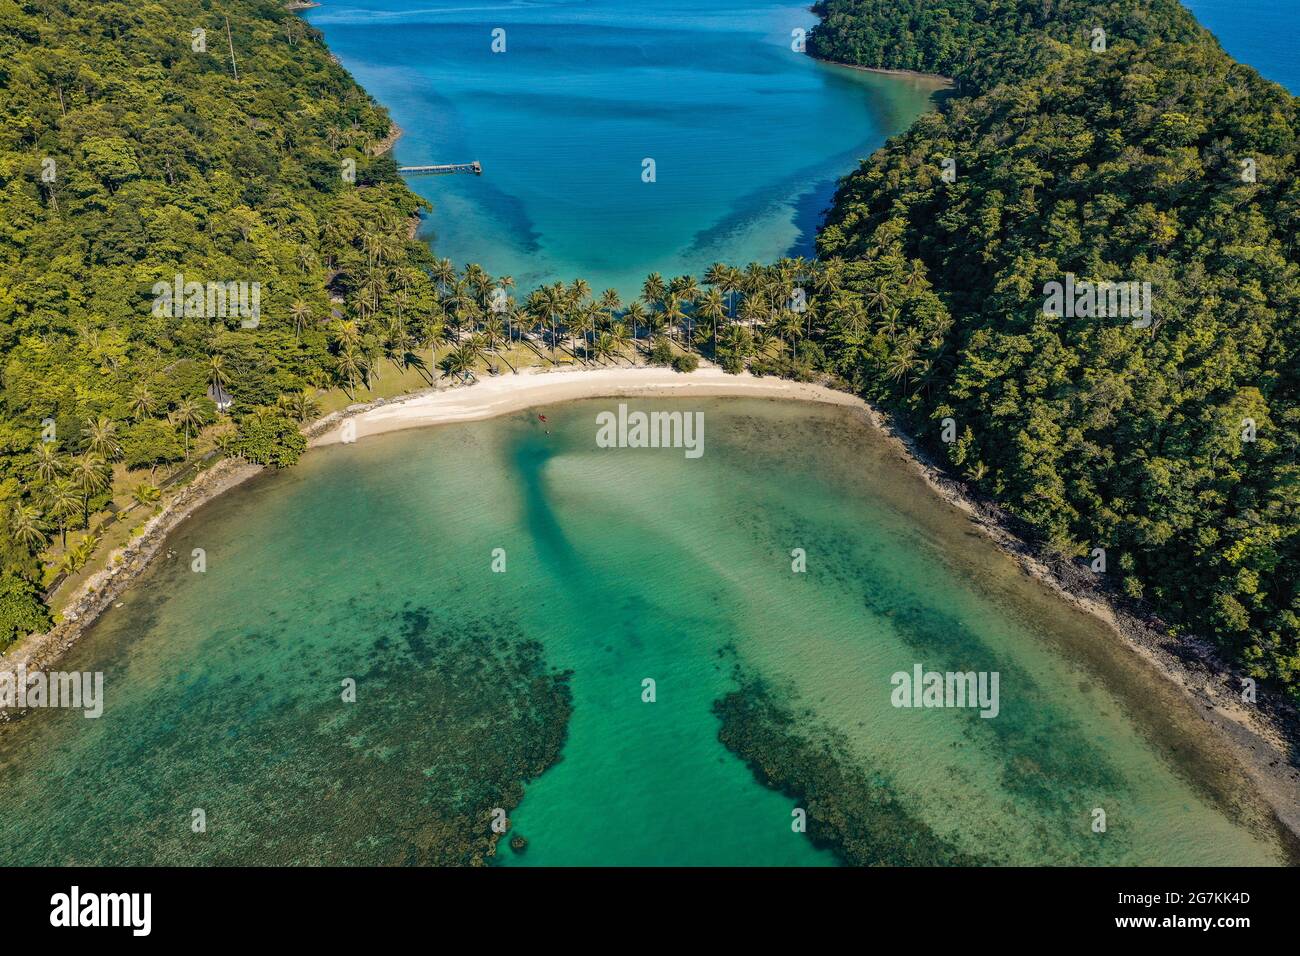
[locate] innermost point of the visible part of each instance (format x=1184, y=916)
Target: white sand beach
x=536, y=387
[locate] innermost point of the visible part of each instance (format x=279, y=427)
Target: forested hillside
x=981, y=43
x=1171, y=444
x=134, y=148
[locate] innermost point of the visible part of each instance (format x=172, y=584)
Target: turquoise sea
x=625, y=564
x=747, y=135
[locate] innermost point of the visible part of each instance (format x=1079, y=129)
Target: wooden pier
x=475, y=167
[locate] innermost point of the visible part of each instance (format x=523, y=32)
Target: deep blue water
x=1262, y=33
x=748, y=135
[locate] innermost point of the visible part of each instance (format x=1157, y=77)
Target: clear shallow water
x=624, y=564
x=1261, y=33
x=748, y=136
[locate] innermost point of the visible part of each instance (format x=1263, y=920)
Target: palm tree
x=736, y=342
x=789, y=325
x=478, y=279
x=101, y=438
x=530, y=320
x=437, y=333
x=763, y=338
x=878, y=296
x=363, y=296
x=47, y=465
x=301, y=312
x=609, y=304
x=26, y=525
x=581, y=324
x=81, y=552
x=475, y=347
x=634, y=313
x=509, y=314
x=370, y=356
x=753, y=280
x=712, y=308
x=300, y=405
x=91, y=475
x=444, y=273
x=731, y=285
x=217, y=373
x=654, y=324
x=687, y=291
x=753, y=310
x=555, y=299
x=494, y=336
x=889, y=320
x=347, y=334
x=601, y=347
x=716, y=275
x=673, y=313
x=579, y=291
x=686, y=288
x=849, y=317
x=143, y=403
x=653, y=290
x=915, y=274
x=506, y=283
x=459, y=362
x=61, y=503
x=372, y=243
x=619, y=337
x=828, y=276
x=146, y=493
x=462, y=302
x=187, y=417
x=901, y=363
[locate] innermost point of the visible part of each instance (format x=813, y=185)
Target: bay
x=624, y=565
x=748, y=136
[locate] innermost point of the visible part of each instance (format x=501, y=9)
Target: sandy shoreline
x=125, y=565
x=534, y=387
x=935, y=78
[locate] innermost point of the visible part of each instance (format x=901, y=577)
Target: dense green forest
x=1170, y=443
x=980, y=44
x=130, y=153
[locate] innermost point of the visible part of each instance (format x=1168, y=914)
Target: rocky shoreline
x=125, y=565
x=389, y=141
x=1264, y=736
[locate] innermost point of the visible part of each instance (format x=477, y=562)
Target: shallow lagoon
x=624, y=564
